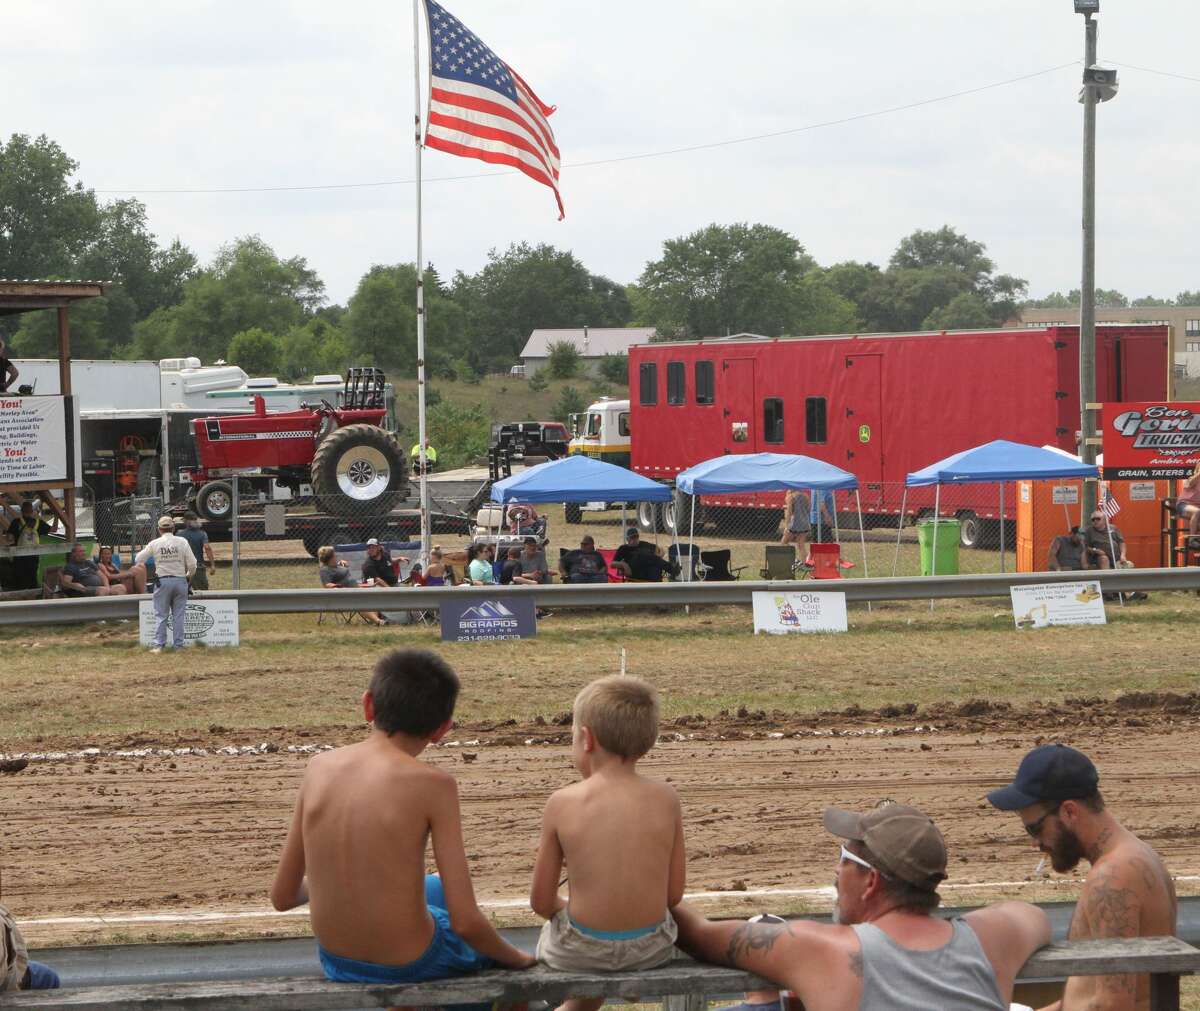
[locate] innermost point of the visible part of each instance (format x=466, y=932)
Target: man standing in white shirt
x=174, y=565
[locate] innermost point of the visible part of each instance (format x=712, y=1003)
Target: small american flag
x=480, y=108
x=1110, y=506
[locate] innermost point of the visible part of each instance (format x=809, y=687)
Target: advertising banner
x=1144, y=441
x=1043, y=604
x=473, y=618
x=211, y=622
x=779, y=613
x=39, y=441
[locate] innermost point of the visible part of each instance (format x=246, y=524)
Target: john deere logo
x=864, y=433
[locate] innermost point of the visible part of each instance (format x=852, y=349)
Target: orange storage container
x=1046, y=509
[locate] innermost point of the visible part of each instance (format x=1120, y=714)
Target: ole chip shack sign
x=1150, y=440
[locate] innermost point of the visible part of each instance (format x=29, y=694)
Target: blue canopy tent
x=579, y=479
x=992, y=463
x=754, y=472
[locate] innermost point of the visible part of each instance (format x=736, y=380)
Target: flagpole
x=422, y=463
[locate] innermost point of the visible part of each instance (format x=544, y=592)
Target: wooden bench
x=683, y=985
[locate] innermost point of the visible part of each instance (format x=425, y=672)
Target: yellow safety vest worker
x=28, y=536
x=430, y=453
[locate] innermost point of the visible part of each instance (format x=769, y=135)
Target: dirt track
x=104, y=834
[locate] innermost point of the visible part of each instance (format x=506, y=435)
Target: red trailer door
x=738, y=414
x=864, y=426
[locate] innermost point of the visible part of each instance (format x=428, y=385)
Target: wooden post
x=64, y=387
x=1164, y=992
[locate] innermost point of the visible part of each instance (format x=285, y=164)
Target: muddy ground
x=130, y=827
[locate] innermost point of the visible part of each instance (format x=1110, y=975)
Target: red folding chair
x=826, y=561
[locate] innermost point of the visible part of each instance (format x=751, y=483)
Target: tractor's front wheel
x=214, y=500
x=359, y=470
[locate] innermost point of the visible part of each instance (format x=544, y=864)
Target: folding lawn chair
x=714, y=567
x=780, y=562
x=826, y=562
x=687, y=557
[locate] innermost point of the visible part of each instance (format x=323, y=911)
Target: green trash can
x=947, y=547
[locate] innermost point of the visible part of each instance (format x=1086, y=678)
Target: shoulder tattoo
x=1112, y=910
x=856, y=964
x=750, y=938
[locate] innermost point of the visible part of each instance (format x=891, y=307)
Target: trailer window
x=676, y=394
x=623, y=424
x=814, y=419
x=772, y=419
x=593, y=426
x=648, y=383
x=705, y=393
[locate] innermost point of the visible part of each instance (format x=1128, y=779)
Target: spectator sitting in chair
x=378, y=567
x=512, y=573
x=642, y=561
x=584, y=565
x=27, y=531
x=1106, y=548
x=81, y=577
x=438, y=573
x=533, y=561
x=132, y=578
x=480, y=570
x=335, y=575
x=1068, y=552
x=1187, y=502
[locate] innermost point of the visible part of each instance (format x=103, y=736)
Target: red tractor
x=355, y=466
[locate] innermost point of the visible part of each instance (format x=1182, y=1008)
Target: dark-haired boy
x=356, y=848
x=621, y=838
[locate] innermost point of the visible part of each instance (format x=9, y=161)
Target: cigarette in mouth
x=1037, y=871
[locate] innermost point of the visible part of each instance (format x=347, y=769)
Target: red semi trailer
x=878, y=405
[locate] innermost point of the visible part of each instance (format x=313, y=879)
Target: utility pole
x=1087, y=289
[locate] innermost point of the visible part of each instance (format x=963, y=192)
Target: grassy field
x=71, y=683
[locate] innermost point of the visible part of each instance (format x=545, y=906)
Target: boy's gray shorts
x=565, y=947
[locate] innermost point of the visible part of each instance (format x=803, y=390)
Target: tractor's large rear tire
x=359, y=470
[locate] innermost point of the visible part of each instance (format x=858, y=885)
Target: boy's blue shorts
x=447, y=954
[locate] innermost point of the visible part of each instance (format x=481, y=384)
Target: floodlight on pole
x=1087, y=7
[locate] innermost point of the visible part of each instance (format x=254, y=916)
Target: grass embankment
x=69, y=684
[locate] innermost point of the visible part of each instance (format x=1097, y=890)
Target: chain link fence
x=275, y=544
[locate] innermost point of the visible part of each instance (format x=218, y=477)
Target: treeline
x=270, y=314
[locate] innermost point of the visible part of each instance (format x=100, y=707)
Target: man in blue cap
x=1128, y=891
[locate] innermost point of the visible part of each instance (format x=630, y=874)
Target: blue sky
x=217, y=94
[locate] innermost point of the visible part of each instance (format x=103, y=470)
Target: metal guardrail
x=642, y=595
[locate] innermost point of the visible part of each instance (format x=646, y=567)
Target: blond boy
x=619, y=835
x=356, y=849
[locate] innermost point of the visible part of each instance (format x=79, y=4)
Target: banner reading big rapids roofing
x=1150, y=440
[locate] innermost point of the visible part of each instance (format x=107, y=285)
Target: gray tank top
x=954, y=977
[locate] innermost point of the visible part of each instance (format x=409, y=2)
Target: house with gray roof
x=593, y=343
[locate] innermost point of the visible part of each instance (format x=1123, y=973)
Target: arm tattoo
x=753, y=937
x=1112, y=911
x=856, y=964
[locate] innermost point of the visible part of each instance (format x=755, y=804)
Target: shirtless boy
x=356, y=848
x=1127, y=893
x=621, y=838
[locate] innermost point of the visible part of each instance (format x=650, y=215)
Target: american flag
x=480, y=108
x=1110, y=506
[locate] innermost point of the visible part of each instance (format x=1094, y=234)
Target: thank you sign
x=210, y=622
x=471, y=618
x=818, y=611
x=39, y=441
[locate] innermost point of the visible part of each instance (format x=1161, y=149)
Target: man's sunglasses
x=1034, y=828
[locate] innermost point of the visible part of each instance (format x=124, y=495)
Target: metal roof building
x=592, y=343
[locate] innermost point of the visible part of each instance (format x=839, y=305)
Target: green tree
x=1055, y=300
x=615, y=368
x=1110, y=298
x=256, y=351
x=967, y=311
x=819, y=309
x=317, y=347
x=1188, y=298
x=1150, y=302
x=538, y=381
x=726, y=279
x=460, y=434
x=903, y=298
x=381, y=322
x=46, y=221
x=570, y=401
x=563, y=360
x=246, y=286
x=527, y=287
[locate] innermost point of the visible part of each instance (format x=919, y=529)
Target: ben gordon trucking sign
x=470, y=618
x=1150, y=440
